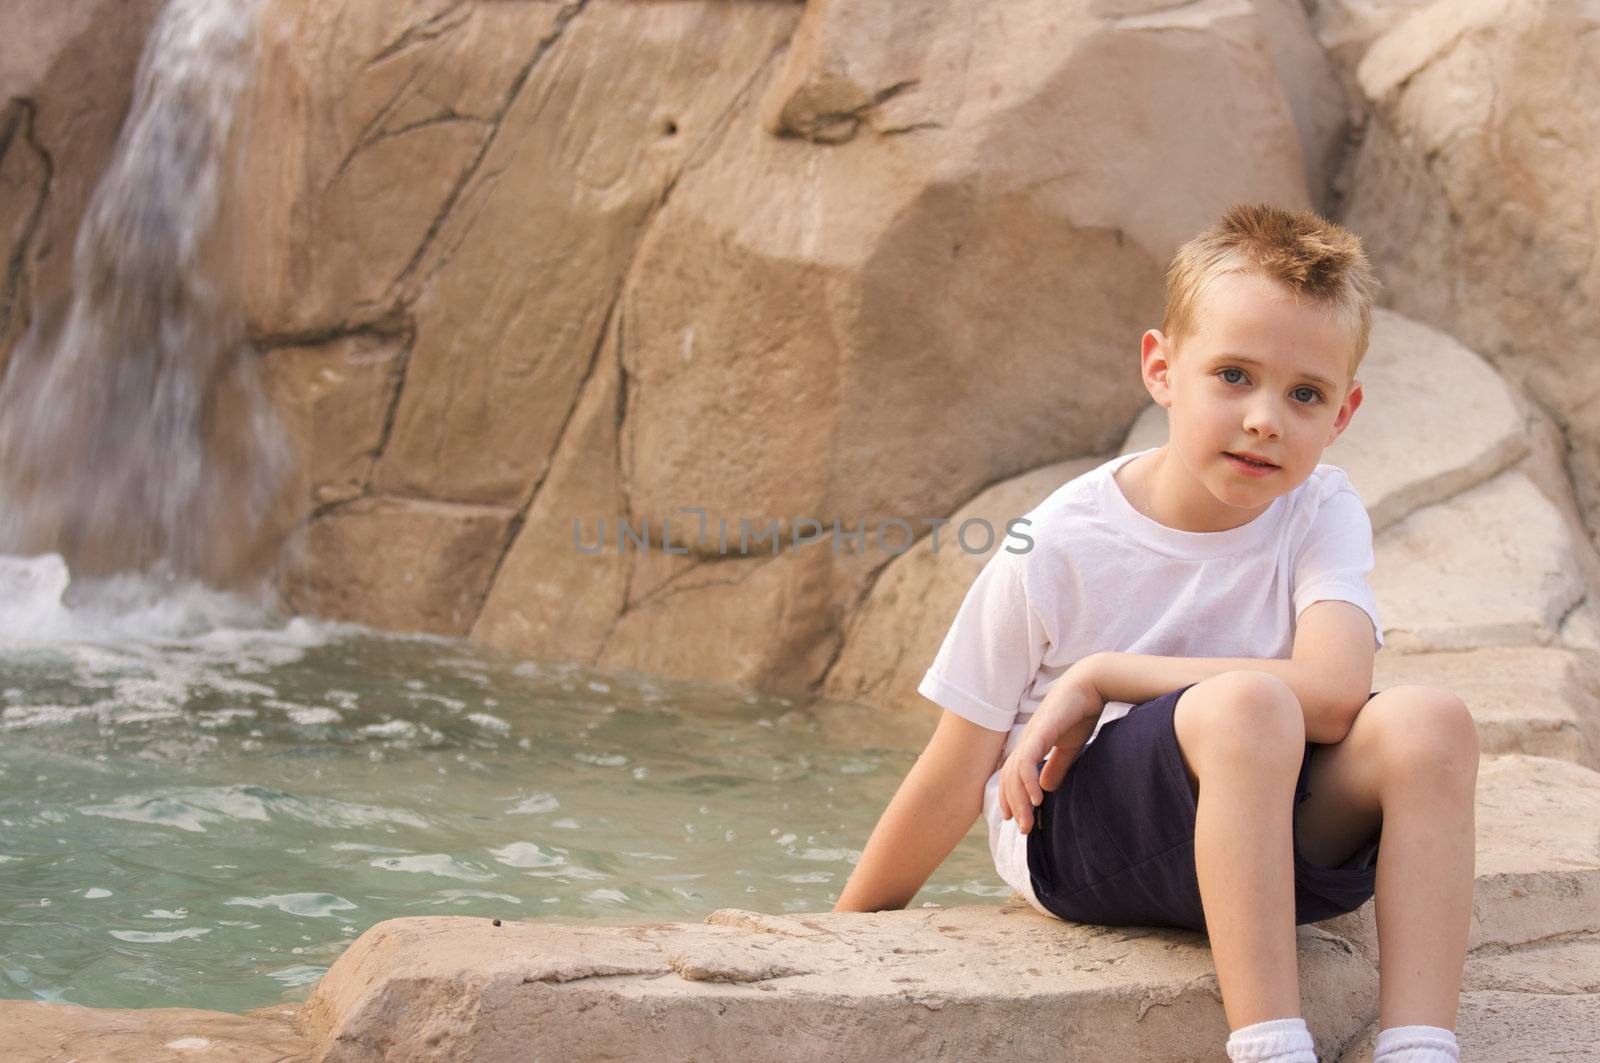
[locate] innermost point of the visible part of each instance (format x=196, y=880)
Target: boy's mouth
x=1250, y=461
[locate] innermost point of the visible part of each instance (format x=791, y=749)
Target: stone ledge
x=59, y=1033
x=962, y=983
x=1540, y=700
x=1532, y=1005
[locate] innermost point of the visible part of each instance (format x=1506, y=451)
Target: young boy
x=1187, y=651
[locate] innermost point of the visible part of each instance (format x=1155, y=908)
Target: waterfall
x=134, y=433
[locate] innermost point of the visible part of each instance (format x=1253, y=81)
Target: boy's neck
x=1157, y=485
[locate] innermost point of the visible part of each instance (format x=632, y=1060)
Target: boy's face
x=1260, y=375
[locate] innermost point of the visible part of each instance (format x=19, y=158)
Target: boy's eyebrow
x=1247, y=360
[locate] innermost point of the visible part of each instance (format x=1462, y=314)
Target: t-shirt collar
x=1119, y=512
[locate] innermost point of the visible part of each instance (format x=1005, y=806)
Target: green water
x=208, y=820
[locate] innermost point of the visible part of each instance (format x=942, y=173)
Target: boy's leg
x=1411, y=756
x=1242, y=735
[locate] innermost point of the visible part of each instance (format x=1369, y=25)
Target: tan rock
x=754, y=620
x=1581, y=629
x=1537, y=1003
x=1346, y=28
x=1538, y=856
x=1149, y=429
x=1554, y=1022
x=897, y=631
x=613, y=157
x=846, y=63
x=1546, y=465
x=1525, y=699
x=854, y=66
x=66, y=76
x=1473, y=192
x=1405, y=449
x=1566, y=967
x=549, y=593
x=1496, y=565
x=24, y=189
x=59, y=1033
x=397, y=563
x=955, y=982
x=1316, y=98
x=367, y=118
x=33, y=44
x=512, y=292
x=334, y=399
x=871, y=270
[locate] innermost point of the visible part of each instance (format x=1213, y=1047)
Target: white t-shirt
x=1100, y=575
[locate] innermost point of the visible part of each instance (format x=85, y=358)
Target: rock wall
x=1476, y=188
x=517, y=265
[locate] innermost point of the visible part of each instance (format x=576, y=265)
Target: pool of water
x=202, y=806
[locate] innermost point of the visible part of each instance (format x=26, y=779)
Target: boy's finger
x=1019, y=808
x=1054, y=769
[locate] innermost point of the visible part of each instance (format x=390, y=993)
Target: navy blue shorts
x=1113, y=844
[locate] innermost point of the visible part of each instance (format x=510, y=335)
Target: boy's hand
x=1063, y=722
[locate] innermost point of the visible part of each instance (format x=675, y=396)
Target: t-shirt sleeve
x=1337, y=556
x=992, y=651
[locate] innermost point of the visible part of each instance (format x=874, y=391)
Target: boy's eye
x=1311, y=397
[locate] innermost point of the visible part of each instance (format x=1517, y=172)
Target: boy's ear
x=1155, y=362
x=1352, y=399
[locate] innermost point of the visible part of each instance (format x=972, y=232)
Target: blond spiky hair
x=1310, y=256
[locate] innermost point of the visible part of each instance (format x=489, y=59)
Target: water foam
x=310, y=905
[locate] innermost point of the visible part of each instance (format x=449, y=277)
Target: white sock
x=1275, y=1041
x=1416, y=1044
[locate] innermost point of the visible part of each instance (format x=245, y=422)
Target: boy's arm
x=1330, y=671
x=928, y=816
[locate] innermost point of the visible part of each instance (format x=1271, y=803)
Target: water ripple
x=193, y=808
x=155, y=936
x=441, y=864
x=312, y=905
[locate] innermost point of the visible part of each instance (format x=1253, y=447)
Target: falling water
x=134, y=435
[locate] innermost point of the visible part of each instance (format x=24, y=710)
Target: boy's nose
x=1262, y=420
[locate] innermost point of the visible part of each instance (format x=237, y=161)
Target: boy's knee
x=1241, y=715
x=1428, y=725
x=1262, y=696
x=1251, y=683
